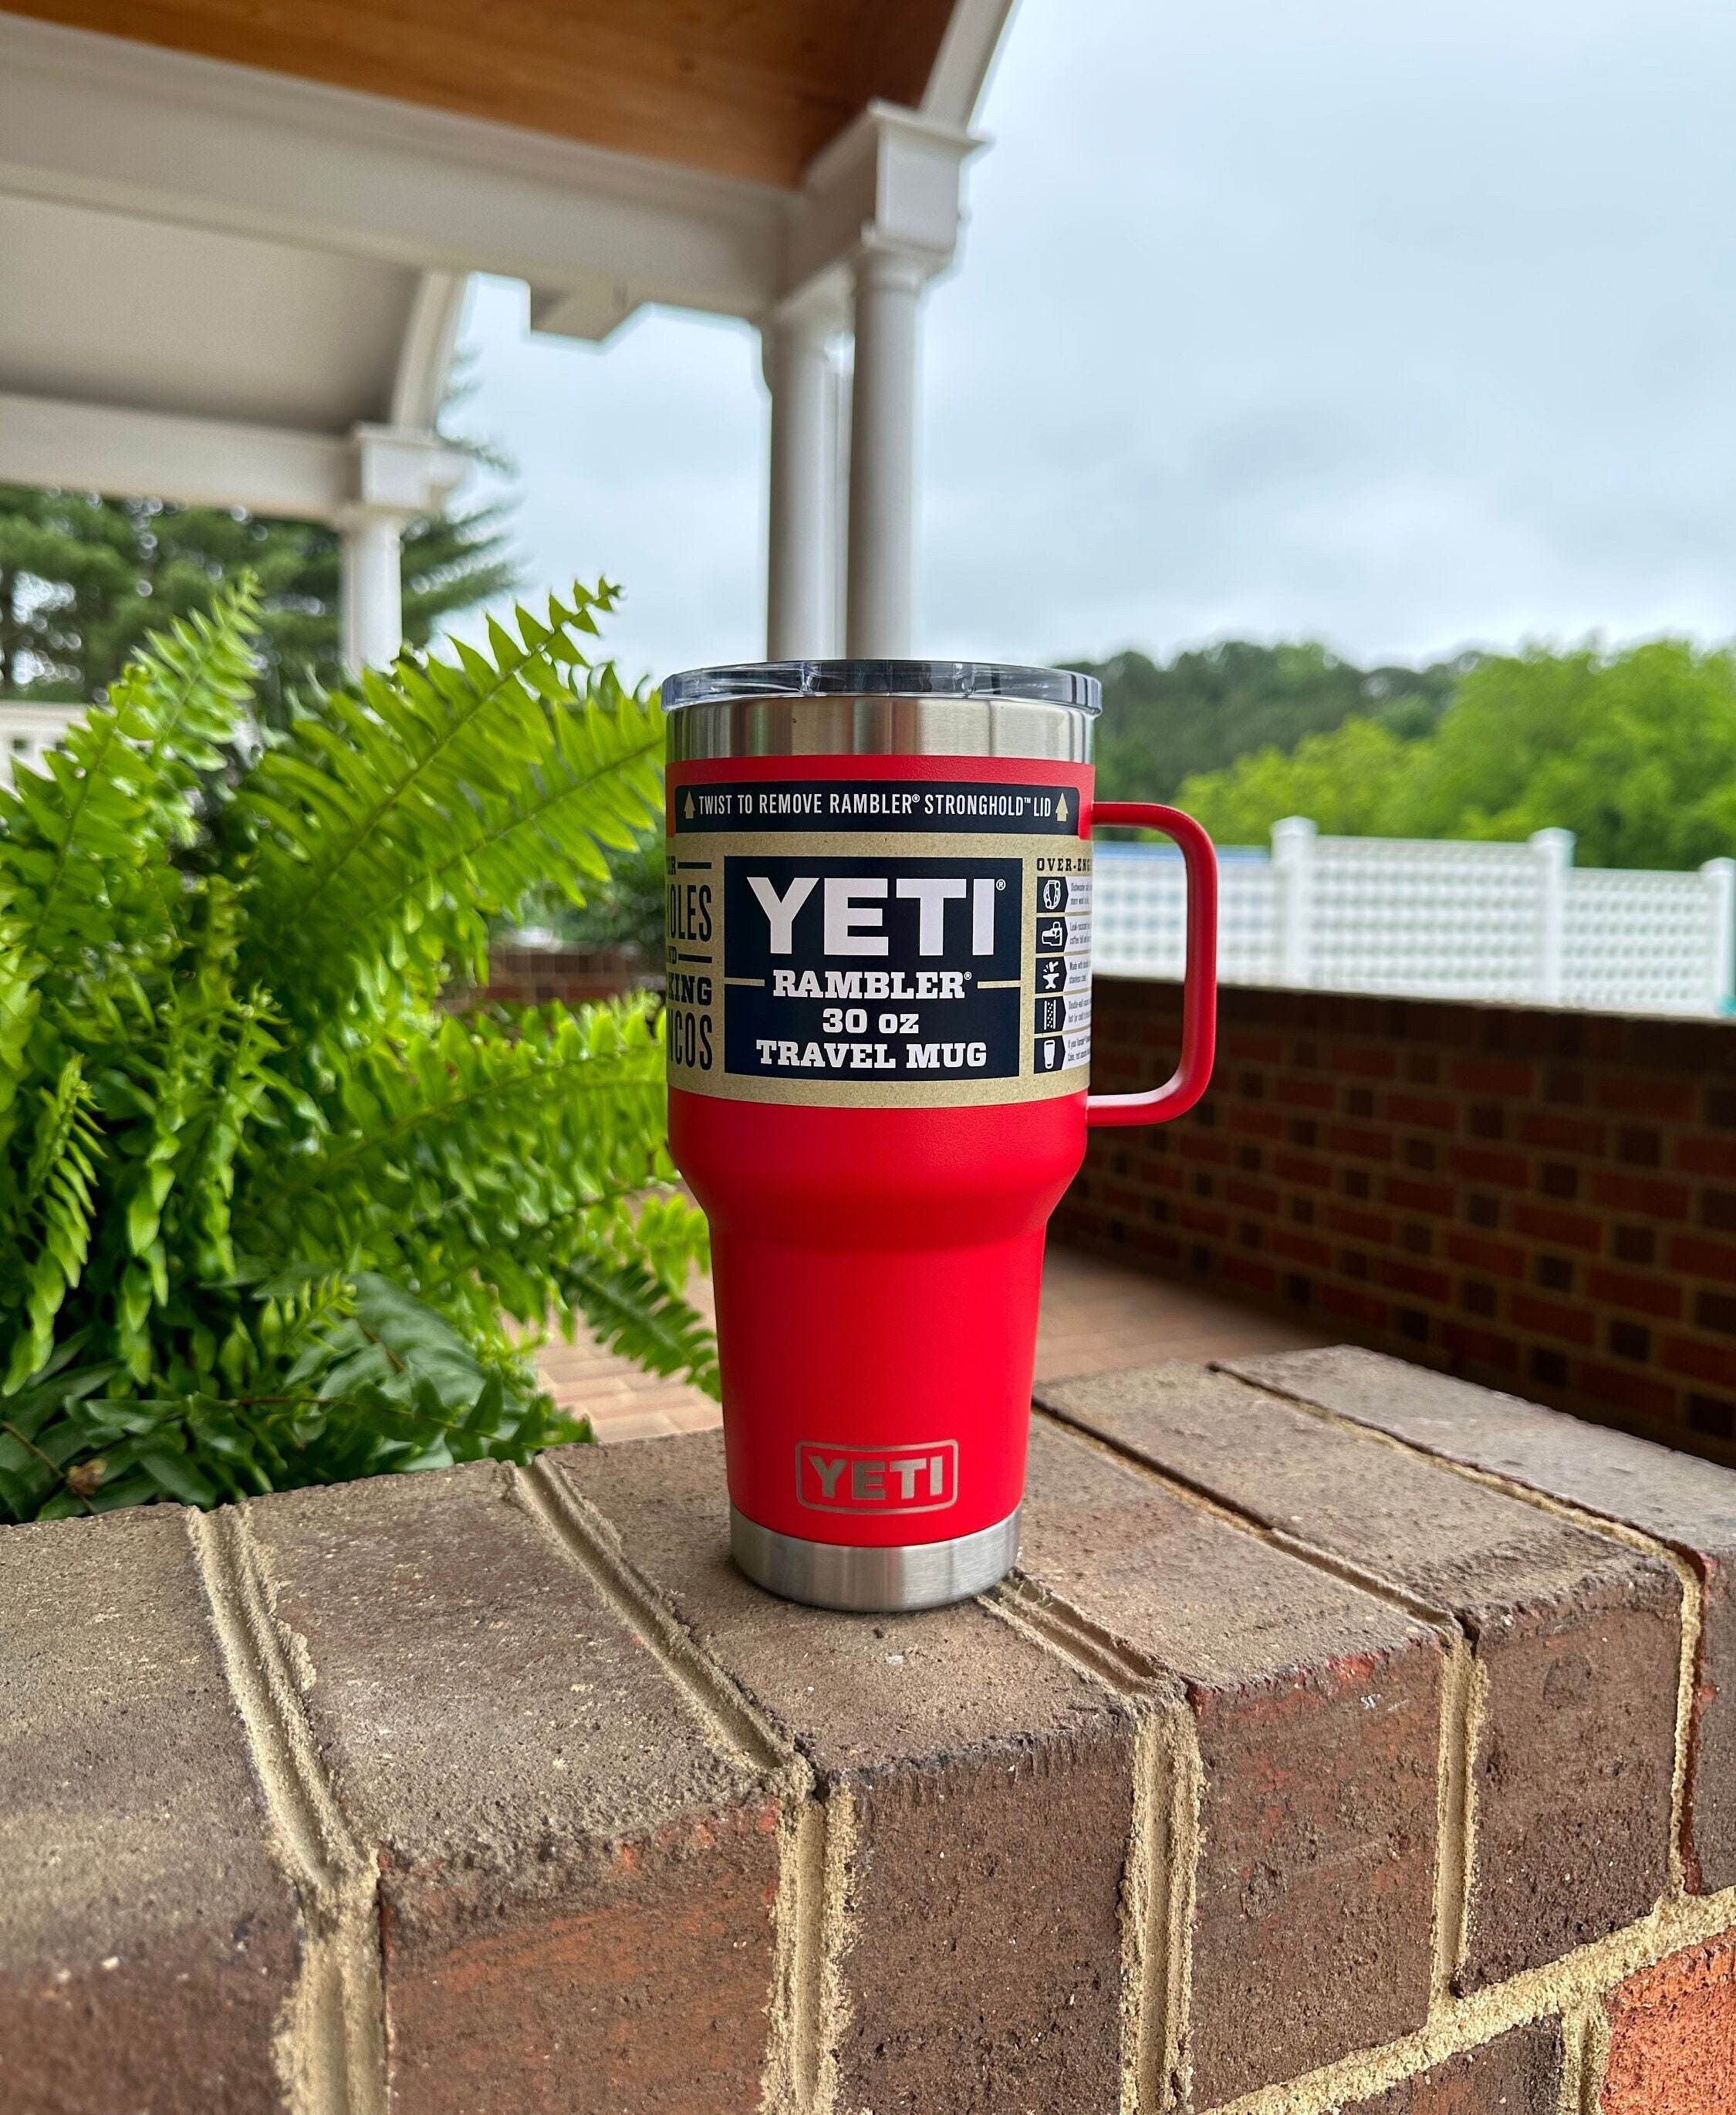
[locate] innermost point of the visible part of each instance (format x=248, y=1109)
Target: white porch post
x=878, y=217
x=1553, y=851
x=881, y=590
x=397, y=474
x=801, y=567
x=372, y=587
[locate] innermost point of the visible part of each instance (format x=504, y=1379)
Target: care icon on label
x=1054, y=893
x=1051, y=935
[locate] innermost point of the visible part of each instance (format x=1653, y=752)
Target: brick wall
x=1351, y=1739
x=534, y=976
x=1543, y=1201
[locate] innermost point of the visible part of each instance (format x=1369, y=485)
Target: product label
x=878, y=943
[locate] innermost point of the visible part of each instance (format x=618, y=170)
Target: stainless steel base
x=833, y=1575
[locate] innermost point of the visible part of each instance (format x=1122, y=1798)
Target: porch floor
x=1096, y=1316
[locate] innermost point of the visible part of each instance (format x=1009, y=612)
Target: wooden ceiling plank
x=744, y=88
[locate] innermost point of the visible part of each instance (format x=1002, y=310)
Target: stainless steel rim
x=834, y=1575
x=829, y=725
x=743, y=681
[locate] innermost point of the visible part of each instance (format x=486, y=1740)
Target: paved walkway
x=1096, y=1316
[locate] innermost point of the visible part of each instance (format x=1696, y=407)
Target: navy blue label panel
x=927, y=805
x=878, y=970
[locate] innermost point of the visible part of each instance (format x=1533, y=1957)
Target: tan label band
x=868, y=969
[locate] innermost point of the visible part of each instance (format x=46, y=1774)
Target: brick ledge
x=427, y=1792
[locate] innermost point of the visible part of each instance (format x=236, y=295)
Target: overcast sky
x=1402, y=326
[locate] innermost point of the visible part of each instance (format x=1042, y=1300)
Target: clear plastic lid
x=988, y=680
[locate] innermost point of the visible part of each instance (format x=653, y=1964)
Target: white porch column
x=372, y=589
x=801, y=567
x=397, y=474
x=881, y=587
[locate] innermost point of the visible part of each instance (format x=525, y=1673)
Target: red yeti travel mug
x=879, y=1024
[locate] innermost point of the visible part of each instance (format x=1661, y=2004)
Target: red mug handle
x=1199, y=989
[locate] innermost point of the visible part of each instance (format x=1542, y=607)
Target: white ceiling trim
x=966, y=54
x=430, y=341
x=215, y=462
x=99, y=121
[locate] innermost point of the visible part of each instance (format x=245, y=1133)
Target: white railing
x=1429, y=919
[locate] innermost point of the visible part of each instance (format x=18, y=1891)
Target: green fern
x=268, y=1214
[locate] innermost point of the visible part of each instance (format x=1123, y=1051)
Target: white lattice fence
x=1436, y=920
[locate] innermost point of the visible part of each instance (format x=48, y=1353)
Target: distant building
x=27, y=729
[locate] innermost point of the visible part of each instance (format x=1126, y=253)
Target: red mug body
x=878, y=1025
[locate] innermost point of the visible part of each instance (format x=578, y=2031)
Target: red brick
x=1202, y=1147
x=1361, y=1145
x=1518, y=2073
x=1199, y=1220
x=1541, y=1128
x=1317, y=1811
x=1697, y=1155
x=1253, y=1196
x=1493, y=1076
x=1306, y=1094
x=1695, y=1258
x=1474, y=1164
x=1366, y=1061
x=1253, y=1122
x=1258, y=1277
x=991, y=1786
x=1576, y=1634
x=1423, y=1112
x=1641, y=1194
x=1414, y=1278
x=1120, y=1198
x=1483, y=1345
x=1688, y=1505
x=1292, y=1168
x=1646, y=1295
x=1716, y=1363
x=607, y=1862
x=1478, y=1253
x=1435, y=1197
x=1248, y=1047
x=1645, y=1094
x=1371, y=1227
x=1628, y=1390
x=149, y=1944
x=1567, y=1230
x=1361, y=1307
x=1553, y=1318
x=1673, y=2037
x=1301, y=1248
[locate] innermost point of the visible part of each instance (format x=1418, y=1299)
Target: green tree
x=1634, y=751
x=84, y=579
x=1164, y=723
x=267, y=1216
x=1348, y=782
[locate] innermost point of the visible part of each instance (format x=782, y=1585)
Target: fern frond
x=393, y=827
x=52, y=1217
x=84, y=842
x=633, y=1313
x=473, y=1137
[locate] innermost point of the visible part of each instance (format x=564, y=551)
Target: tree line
x=1634, y=748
